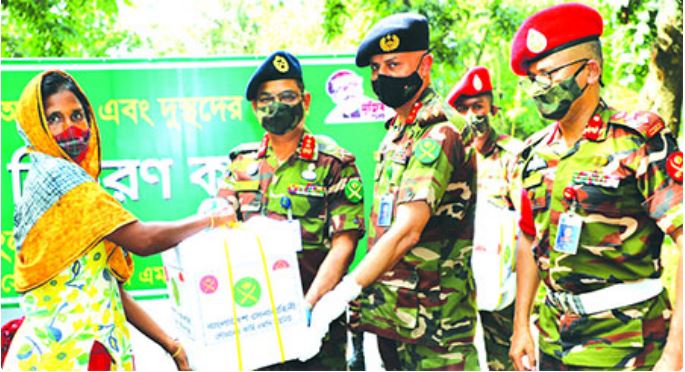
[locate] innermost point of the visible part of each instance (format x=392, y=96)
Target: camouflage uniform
x=627, y=201
x=426, y=302
x=324, y=190
x=496, y=157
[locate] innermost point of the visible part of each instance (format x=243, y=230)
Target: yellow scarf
x=80, y=219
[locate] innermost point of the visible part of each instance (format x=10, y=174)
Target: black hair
x=54, y=82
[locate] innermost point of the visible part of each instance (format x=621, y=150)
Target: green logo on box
x=246, y=292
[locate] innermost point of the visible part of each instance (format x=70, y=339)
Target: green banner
x=167, y=126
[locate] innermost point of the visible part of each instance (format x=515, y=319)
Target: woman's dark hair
x=54, y=82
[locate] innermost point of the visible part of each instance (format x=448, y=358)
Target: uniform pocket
x=536, y=190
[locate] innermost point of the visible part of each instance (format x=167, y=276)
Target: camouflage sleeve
x=658, y=171
x=345, y=198
x=431, y=166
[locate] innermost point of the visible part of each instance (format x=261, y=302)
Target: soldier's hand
x=522, y=350
x=333, y=304
x=669, y=361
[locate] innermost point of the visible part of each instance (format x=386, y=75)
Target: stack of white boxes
x=235, y=328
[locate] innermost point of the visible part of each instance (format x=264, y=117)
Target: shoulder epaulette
x=648, y=124
x=242, y=149
x=328, y=146
x=535, y=139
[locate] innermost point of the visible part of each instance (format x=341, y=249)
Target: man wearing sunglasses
x=495, y=224
x=419, y=293
x=293, y=174
x=602, y=188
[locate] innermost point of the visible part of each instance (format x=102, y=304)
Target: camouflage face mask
x=555, y=102
x=280, y=118
x=480, y=122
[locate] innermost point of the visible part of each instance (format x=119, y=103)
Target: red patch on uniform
x=412, y=114
x=674, y=166
x=180, y=277
x=307, y=150
x=655, y=127
x=593, y=128
x=263, y=146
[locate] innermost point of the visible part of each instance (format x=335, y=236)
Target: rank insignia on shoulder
x=427, y=150
x=307, y=149
x=353, y=191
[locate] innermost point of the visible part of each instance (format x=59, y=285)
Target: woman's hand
x=178, y=354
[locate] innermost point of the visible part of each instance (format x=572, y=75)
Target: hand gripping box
x=236, y=294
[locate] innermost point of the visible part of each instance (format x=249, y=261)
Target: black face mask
x=396, y=91
x=279, y=118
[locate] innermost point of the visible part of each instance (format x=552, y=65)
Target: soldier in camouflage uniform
x=495, y=234
x=294, y=174
x=419, y=296
x=602, y=187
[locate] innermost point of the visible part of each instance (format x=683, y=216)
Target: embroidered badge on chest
x=307, y=190
x=309, y=174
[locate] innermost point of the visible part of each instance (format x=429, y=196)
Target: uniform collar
x=307, y=149
x=411, y=119
x=595, y=128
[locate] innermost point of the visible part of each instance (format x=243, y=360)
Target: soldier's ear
x=594, y=71
x=254, y=105
x=306, y=99
x=426, y=64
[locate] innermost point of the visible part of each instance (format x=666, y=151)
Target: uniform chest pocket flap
x=536, y=190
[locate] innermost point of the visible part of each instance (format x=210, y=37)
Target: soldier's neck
x=284, y=145
x=572, y=126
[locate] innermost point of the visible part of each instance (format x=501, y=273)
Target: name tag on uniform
x=568, y=233
x=385, y=210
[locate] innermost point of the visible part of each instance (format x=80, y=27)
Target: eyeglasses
x=289, y=97
x=543, y=81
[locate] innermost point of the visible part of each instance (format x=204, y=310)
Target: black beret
x=403, y=32
x=279, y=65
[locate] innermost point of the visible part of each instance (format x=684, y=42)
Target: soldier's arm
x=658, y=171
x=672, y=357
x=527, y=282
x=346, y=225
x=334, y=266
x=389, y=249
